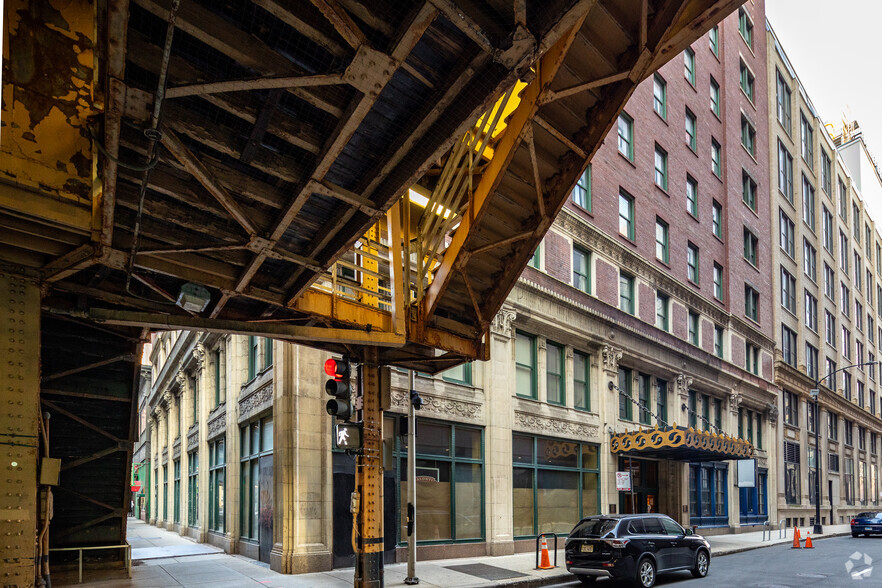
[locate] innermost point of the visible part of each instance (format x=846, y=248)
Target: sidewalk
x=164, y=559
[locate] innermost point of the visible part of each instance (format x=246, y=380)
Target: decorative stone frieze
x=256, y=402
x=193, y=438
x=449, y=407
x=554, y=426
x=502, y=322
x=611, y=357
x=217, y=424
x=176, y=449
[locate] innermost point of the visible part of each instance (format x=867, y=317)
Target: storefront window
x=555, y=483
x=449, y=485
x=216, y=485
x=708, y=494
x=177, y=491
x=193, y=488
x=256, y=440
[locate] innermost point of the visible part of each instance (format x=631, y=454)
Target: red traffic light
x=337, y=368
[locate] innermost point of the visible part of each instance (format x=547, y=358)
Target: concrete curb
x=760, y=546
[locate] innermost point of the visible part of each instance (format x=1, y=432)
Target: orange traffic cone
x=545, y=561
x=796, y=539
x=808, y=541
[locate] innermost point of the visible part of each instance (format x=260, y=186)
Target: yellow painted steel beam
x=521, y=120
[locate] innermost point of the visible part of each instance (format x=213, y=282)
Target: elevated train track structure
x=367, y=177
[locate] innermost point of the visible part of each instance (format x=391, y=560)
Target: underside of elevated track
x=367, y=177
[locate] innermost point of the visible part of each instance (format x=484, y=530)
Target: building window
x=694, y=328
x=644, y=391
x=808, y=203
x=751, y=354
x=662, y=250
x=846, y=387
x=788, y=346
x=626, y=215
x=582, y=191
x=826, y=177
x=626, y=293
x=692, y=263
x=581, y=269
x=555, y=481
x=689, y=65
x=785, y=171
x=829, y=278
x=845, y=293
x=791, y=408
x=748, y=190
x=717, y=219
x=846, y=343
x=450, y=477
x=256, y=440
x=829, y=329
x=806, y=141
x=716, y=158
x=554, y=373
x=751, y=303
x=659, y=96
x=718, y=281
x=536, y=260
x=833, y=428
x=691, y=130
x=193, y=488
x=714, y=39
x=745, y=27
x=661, y=168
x=691, y=196
x=626, y=136
x=809, y=260
x=856, y=222
x=177, y=491
x=787, y=231
x=843, y=199
x=216, y=487
x=783, y=100
x=581, y=380
x=525, y=364
x=827, y=229
x=811, y=361
x=751, y=244
x=661, y=403
x=708, y=494
x=747, y=81
x=625, y=395
x=219, y=377
x=788, y=291
x=715, y=96
x=718, y=341
x=661, y=312
x=811, y=311
x=165, y=500
x=748, y=136
x=848, y=480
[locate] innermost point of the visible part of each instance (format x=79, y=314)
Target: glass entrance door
x=644, y=482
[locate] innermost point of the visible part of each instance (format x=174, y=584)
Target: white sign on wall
x=746, y=473
x=623, y=481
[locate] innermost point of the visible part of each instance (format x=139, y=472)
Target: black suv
x=634, y=546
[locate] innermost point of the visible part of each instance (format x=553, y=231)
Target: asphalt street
x=834, y=562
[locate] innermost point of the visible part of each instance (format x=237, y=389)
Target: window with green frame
x=661, y=311
x=661, y=167
x=267, y=352
x=691, y=196
x=253, y=355
x=217, y=367
x=716, y=158
x=718, y=281
x=714, y=40
x=581, y=380
x=751, y=245
x=717, y=219
x=748, y=190
x=689, y=65
x=644, y=392
x=165, y=493
x=661, y=402
x=525, y=364
x=217, y=469
x=582, y=191
x=554, y=373
x=536, y=260
x=626, y=215
x=692, y=263
x=626, y=410
x=581, y=269
x=659, y=96
x=693, y=409
x=256, y=440
x=626, y=293
x=626, y=136
x=555, y=482
x=450, y=477
x=193, y=488
x=718, y=341
x=745, y=27
x=662, y=250
x=715, y=96
x=461, y=374
x=176, y=497
x=691, y=130
x=747, y=81
x=694, y=328
x=194, y=399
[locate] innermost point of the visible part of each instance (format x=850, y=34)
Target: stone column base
x=300, y=563
x=496, y=548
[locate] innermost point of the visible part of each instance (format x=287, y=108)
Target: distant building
x=141, y=468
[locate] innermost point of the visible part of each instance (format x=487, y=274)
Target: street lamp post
x=816, y=393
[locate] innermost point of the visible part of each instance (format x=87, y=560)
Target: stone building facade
x=827, y=272
x=639, y=309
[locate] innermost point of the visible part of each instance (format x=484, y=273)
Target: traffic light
x=416, y=400
x=340, y=405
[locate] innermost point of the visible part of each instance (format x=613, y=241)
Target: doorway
x=644, y=484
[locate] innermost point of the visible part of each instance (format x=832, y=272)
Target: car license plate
x=587, y=548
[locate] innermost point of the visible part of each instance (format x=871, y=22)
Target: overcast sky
x=836, y=50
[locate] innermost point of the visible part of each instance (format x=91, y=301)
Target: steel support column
x=369, y=478
x=19, y=429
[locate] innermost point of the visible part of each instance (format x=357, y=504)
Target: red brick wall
x=558, y=257
x=607, y=283
x=646, y=301
x=678, y=321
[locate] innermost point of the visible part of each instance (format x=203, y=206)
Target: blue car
x=866, y=523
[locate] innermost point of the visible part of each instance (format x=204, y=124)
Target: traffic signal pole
x=369, y=478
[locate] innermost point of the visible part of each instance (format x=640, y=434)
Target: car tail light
x=853, y=521
x=619, y=543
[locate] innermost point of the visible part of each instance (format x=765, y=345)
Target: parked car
x=866, y=523
x=636, y=546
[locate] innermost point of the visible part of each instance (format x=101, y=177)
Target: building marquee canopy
x=681, y=444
